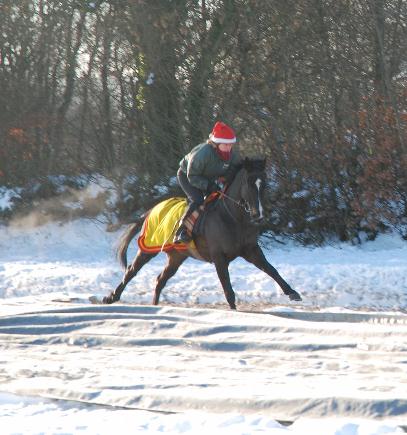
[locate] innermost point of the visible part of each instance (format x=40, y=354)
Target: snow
x=150, y=79
x=6, y=198
x=332, y=364
x=78, y=257
x=76, y=419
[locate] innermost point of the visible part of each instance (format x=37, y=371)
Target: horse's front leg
x=221, y=265
x=255, y=255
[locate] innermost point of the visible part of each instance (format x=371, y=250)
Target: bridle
x=244, y=206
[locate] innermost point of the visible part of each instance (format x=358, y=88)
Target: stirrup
x=182, y=236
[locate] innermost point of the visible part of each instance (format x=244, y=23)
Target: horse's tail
x=126, y=238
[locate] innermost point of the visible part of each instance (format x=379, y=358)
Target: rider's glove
x=212, y=187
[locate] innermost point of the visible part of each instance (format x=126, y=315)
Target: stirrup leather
x=182, y=235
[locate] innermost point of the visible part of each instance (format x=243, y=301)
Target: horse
x=230, y=229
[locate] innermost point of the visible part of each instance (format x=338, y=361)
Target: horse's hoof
x=108, y=300
x=295, y=297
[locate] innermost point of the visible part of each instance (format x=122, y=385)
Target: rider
x=204, y=166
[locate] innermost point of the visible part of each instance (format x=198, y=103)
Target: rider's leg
x=182, y=235
x=196, y=198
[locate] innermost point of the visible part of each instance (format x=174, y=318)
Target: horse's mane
x=250, y=164
x=254, y=164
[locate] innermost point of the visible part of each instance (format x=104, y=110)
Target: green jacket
x=203, y=165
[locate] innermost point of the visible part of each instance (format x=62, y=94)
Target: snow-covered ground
x=78, y=258
x=334, y=363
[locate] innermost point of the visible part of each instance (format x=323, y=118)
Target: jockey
x=203, y=167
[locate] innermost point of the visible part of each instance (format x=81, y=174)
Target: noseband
x=243, y=204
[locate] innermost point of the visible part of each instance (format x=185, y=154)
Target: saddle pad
x=157, y=233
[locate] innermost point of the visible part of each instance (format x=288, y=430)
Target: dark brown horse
x=229, y=230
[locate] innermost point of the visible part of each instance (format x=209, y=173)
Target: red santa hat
x=222, y=133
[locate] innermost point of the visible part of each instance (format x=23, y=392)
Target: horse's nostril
x=256, y=217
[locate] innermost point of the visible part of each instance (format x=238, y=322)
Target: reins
x=245, y=208
x=224, y=196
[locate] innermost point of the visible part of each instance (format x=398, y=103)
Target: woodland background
x=124, y=88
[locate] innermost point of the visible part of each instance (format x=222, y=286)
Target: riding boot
x=182, y=235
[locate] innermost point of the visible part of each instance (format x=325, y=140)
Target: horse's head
x=252, y=187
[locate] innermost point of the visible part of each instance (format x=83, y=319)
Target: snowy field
x=335, y=363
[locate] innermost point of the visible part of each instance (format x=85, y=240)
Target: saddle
x=159, y=227
x=193, y=223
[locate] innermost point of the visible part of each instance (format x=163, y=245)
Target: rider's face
x=224, y=147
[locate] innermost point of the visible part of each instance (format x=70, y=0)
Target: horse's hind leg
x=175, y=259
x=255, y=256
x=141, y=259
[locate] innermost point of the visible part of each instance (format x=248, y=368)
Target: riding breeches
x=195, y=195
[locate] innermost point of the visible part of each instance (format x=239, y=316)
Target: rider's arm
x=195, y=170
